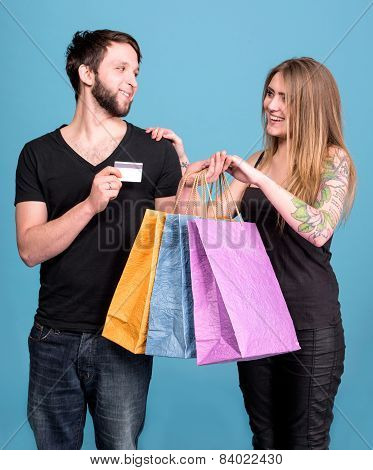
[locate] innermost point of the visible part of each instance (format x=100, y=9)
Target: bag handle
x=223, y=194
x=222, y=189
x=227, y=192
x=199, y=177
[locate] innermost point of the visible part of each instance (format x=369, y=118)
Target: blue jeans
x=69, y=371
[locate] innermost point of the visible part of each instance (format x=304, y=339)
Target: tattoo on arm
x=322, y=219
x=184, y=165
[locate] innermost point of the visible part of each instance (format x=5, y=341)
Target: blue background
x=202, y=75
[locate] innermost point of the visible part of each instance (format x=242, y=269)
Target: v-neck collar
x=83, y=161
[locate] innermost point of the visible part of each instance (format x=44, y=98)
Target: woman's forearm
x=316, y=224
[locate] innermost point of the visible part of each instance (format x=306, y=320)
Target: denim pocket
x=39, y=332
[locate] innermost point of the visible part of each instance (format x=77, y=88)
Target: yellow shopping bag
x=127, y=318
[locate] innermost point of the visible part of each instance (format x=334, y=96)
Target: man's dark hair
x=89, y=47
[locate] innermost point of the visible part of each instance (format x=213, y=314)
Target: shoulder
x=338, y=161
x=144, y=139
x=337, y=154
x=36, y=146
x=254, y=157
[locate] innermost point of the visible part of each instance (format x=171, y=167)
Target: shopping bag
x=239, y=309
x=127, y=318
x=171, y=327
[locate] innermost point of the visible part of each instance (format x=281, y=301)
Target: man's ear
x=86, y=75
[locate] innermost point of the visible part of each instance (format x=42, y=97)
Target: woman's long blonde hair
x=314, y=125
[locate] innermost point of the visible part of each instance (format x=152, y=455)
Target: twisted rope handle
x=226, y=192
x=222, y=189
x=200, y=177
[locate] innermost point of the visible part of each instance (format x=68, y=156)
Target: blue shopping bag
x=171, y=326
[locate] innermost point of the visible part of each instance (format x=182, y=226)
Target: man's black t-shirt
x=76, y=286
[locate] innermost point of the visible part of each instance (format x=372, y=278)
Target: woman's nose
x=274, y=104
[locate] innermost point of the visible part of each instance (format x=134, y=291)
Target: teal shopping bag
x=171, y=327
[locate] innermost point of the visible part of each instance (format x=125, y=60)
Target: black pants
x=289, y=398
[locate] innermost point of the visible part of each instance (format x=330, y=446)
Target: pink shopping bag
x=239, y=310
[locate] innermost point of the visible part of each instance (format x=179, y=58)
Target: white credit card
x=131, y=171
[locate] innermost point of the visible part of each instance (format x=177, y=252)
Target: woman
x=297, y=191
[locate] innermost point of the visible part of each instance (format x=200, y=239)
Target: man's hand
x=217, y=164
x=39, y=240
x=105, y=188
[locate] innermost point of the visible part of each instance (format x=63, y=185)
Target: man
x=76, y=218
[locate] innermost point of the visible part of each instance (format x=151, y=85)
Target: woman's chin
x=275, y=132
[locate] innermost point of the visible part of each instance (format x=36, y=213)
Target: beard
x=108, y=100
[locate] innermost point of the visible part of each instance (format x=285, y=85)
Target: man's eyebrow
x=273, y=91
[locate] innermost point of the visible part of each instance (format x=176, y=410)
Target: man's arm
x=39, y=240
x=165, y=204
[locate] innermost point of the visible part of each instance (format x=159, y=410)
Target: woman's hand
x=215, y=165
x=242, y=171
x=157, y=133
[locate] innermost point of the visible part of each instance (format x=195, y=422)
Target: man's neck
x=91, y=123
